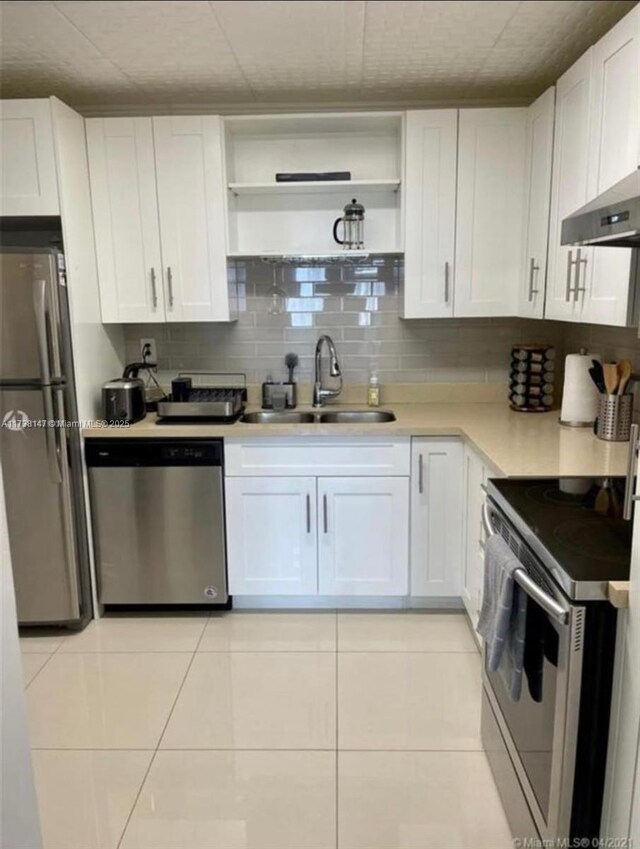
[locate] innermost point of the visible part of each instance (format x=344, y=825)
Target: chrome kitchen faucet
x=321, y=395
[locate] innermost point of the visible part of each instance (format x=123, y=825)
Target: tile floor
x=262, y=731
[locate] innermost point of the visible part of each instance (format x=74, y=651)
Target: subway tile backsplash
x=612, y=343
x=358, y=305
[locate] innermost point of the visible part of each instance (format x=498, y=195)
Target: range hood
x=610, y=220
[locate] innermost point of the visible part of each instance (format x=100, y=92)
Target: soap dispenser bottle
x=373, y=392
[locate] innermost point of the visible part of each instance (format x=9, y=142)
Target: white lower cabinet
x=475, y=475
x=318, y=516
x=414, y=532
x=307, y=536
x=436, y=514
x=363, y=536
x=271, y=536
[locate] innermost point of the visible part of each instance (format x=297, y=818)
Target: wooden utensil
x=624, y=373
x=610, y=377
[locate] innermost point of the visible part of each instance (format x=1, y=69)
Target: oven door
x=540, y=729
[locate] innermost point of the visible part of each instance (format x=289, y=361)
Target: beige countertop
x=618, y=592
x=515, y=444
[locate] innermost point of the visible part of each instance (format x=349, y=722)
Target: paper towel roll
x=579, y=396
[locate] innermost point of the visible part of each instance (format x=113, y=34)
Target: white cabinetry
x=158, y=199
x=125, y=215
x=597, y=139
x=539, y=154
x=271, y=536
x=570, y=185
x=463, y=212
x=431, y=150
x=490, y=205
x=269, y=217
x=436, y=516
x=363, y=531
x=475, y=475
x=614, y=154
x=317, y=516
x=28, y=185
x=191, y=196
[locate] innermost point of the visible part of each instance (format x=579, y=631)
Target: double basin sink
x=327, y=417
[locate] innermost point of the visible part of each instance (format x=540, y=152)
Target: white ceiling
x=118, y=56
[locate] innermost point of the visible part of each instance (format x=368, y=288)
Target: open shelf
x=313, y=186
x=270, y=219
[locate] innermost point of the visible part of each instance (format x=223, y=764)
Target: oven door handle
x=486, y=520
x=559, y=612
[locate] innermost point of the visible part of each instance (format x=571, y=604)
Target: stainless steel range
x=548, y=749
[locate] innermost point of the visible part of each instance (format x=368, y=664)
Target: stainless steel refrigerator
x=41, y=464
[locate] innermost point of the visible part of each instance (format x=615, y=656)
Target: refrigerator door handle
x=40, y=310
x=51, y=438
x=62, y=455
x=52, y=304
x=48, y=330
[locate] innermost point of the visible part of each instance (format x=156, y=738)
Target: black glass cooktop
x=577, y=520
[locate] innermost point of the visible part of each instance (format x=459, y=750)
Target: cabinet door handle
x=170, y=286
x=154, y=291
x=446, y=282
x=324, y=513
x=420, y=475
x=308, y=513
x=570, y=263
x=532, y=270
x=580, y=260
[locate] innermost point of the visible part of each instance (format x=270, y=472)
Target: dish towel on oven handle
x=503, y=616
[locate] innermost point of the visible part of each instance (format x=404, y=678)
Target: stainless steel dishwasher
x=158, y=521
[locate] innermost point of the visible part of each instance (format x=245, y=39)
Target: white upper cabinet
x=125, y=213
x=431, y=140
x=436, y=514
x=615, y=136
x=614, y=154
x=597, y=140
x=28, y=182
x=490, y=206
x=363, y=538
x=192, y=197
x=539, y=156
x=158, y=196
x=570, y=184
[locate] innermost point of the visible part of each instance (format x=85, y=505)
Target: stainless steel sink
x=278, y=417
x=329, y=417
x=357, y=417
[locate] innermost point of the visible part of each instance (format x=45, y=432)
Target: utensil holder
x=614, y=417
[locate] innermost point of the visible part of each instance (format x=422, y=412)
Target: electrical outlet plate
x=153, y=351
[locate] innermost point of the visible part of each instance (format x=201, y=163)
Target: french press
x=353, y=232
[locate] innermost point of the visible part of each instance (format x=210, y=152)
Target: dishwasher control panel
x=153, y=452
x=188, y=453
